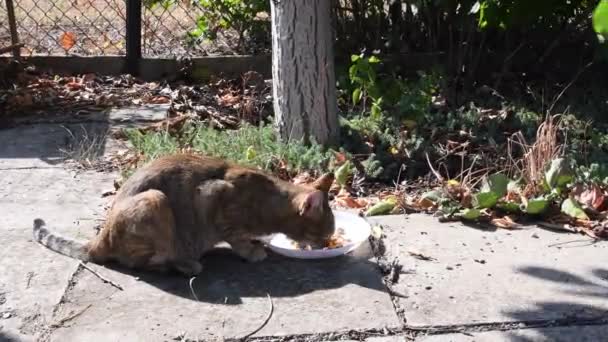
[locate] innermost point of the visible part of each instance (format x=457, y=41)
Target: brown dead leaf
x=349, y=202
x=302, y=178
x=344, y=199
x=67, y=40
x=424, y=203
x=74, y=85
x=505, y=222
x=24, y=100
x=229, y=100
x=340, y=158
x=159, y=100
x=589, y=195
x=88, y=78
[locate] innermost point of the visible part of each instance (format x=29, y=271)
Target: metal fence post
x=10, y=9
x=133, y=36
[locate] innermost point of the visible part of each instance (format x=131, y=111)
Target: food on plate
x=335, y=241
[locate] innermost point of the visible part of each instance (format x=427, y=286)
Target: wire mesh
x=68, y=27
x=166, y=26
x=98, y=27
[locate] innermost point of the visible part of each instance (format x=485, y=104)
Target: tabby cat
x=176, y=208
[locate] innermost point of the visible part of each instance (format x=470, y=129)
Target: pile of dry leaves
x=225, y=102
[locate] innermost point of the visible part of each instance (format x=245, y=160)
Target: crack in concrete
x=82, y=121
x=30, y=168
x=410, y=332
x=379, y=251
x=507, y=325
x=48, y=329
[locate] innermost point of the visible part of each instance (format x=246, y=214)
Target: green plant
x=363, y=77
x=239, y=15
x=254, y=146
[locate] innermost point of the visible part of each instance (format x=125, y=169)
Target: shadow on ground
x=227, y=278
x=53, y=143
x=6, y=337
x=595, y=287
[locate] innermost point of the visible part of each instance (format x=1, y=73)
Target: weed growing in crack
x=84, y=147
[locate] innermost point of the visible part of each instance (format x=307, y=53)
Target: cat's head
x=314, y=223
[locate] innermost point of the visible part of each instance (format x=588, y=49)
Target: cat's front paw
x=257, y=253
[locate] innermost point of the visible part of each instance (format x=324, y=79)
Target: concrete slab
x=308, y=297
x=492, y=276
x=41, y=289
x=144, y=113
x=590, y=333
x=33, y=280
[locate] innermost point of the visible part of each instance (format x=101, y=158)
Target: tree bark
x=304, y=87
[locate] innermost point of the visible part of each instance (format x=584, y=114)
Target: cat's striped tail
x=68, y=247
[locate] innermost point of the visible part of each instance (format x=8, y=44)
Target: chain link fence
x=98, y=27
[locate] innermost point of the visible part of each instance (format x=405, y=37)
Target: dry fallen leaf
x=340, y=158
x=229, y=100
x=302, y=178
x=590, y=195
x=74, y=85
x=505, y=222
x=349, y=202
x=424, y=203
x=67, y=40
x=159, y=100
x=344, y=199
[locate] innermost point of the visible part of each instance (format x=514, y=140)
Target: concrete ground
x=457, y=283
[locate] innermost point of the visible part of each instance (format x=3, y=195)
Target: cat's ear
x=324, y=182
x=312, y=204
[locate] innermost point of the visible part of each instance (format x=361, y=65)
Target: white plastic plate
x=356, y=229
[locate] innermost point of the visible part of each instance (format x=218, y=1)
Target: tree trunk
x=304, y=87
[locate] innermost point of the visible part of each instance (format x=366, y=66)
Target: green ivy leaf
x=343, y=172
x=470, y=214
x=357, y=95
x=496, y=183
x=510, y=207
x=571, y=208
x=600, y=21
x=374, y=60
x=434, y=195
x=381, y=208
x=536, y=205
x=376, y=111
x=483, y=200
x=559, y=173
x=475, y=8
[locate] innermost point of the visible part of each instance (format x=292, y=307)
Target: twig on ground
x=270, y=311
x=395, y=293
x=192, y=288
x=421, y=256
x=574, y=79
x=428, y=160
x=588, y=242
x=104, y=279
x=69, y=318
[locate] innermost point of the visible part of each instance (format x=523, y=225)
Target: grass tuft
x=255, y=146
